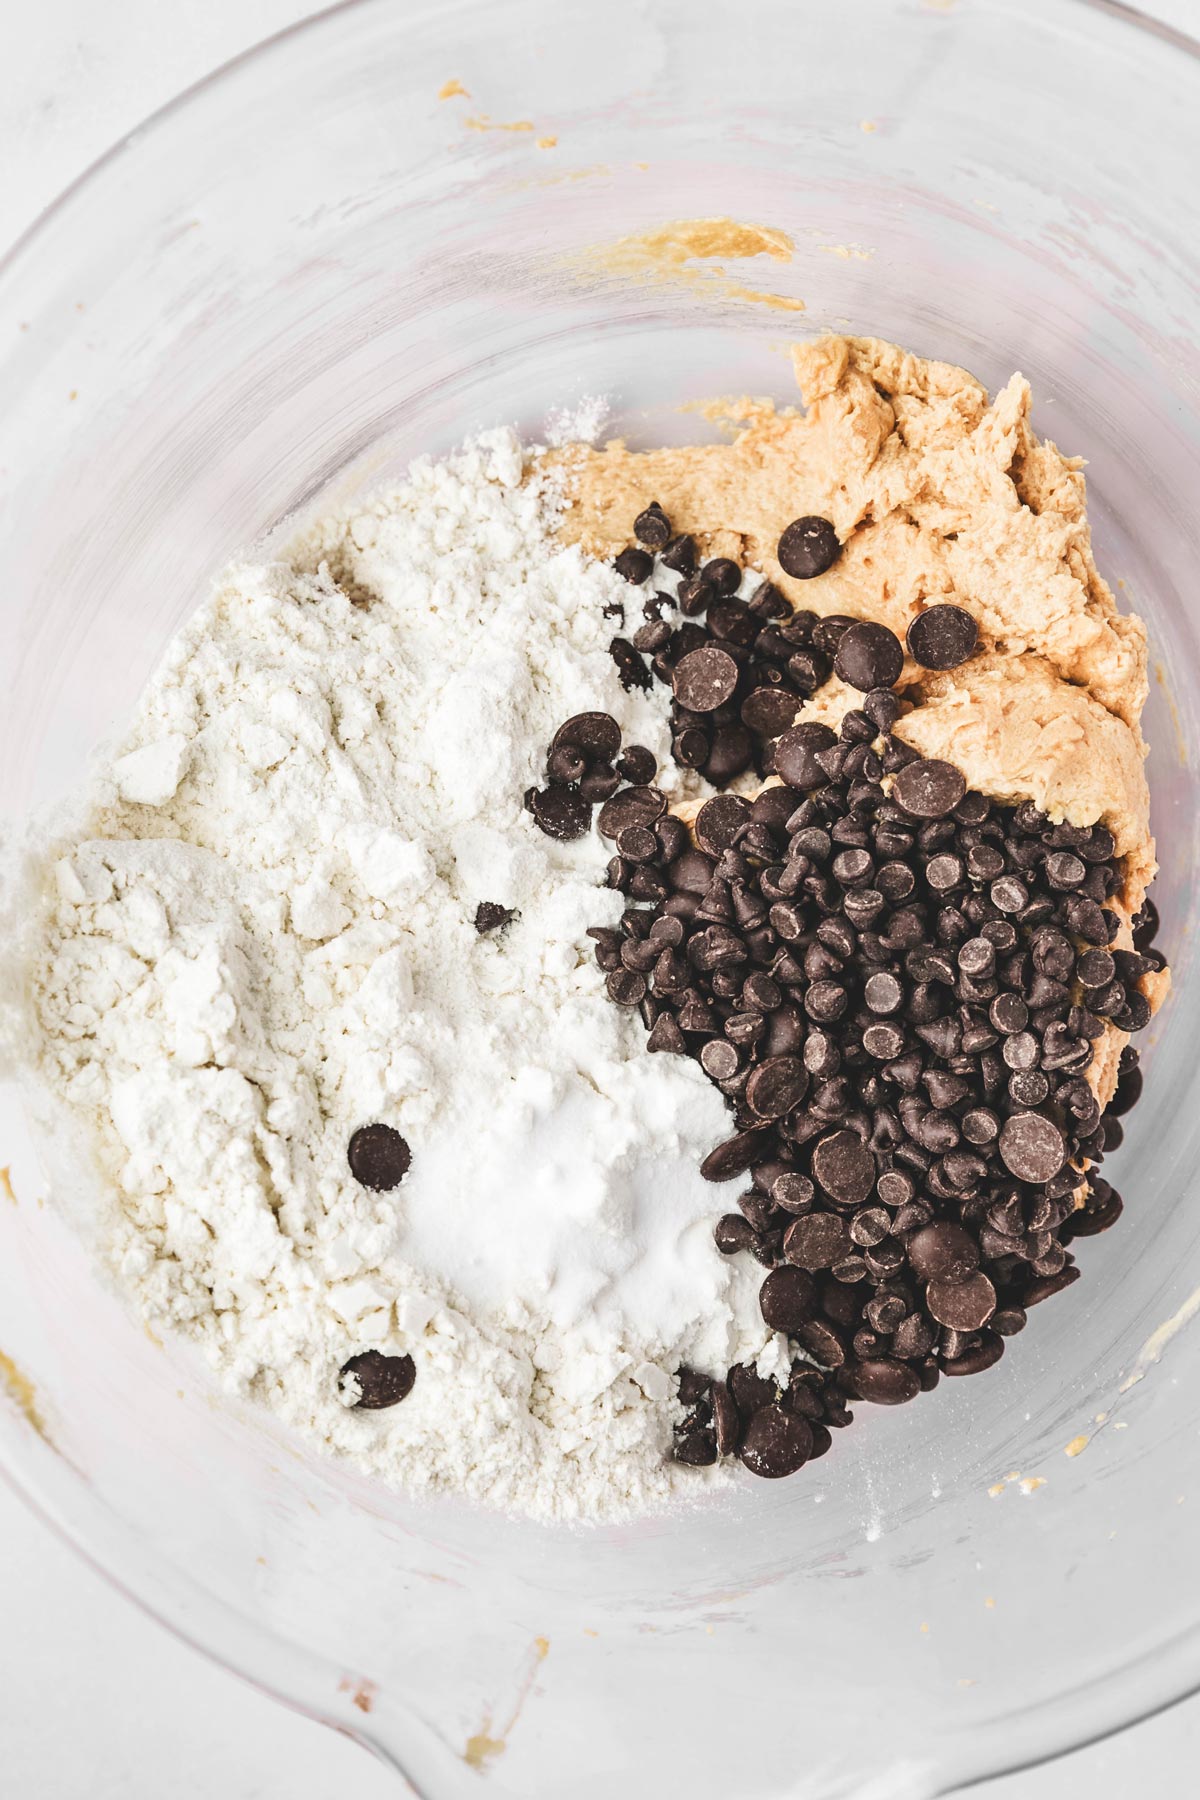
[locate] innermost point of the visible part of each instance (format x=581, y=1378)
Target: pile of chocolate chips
x=898, y=993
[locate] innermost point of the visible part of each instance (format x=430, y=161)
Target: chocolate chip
x=770, y=711
x=727, y=1424
x=776, y=1442
x=666, y=1038
x=786, y=1298
x=634, y=565
x=693, y=1386
x=793, y=1192
x=379, y=1157
x=652, y=527
x=733, y=1157
x=565, y=763
x=630, y=667
x=942, y=637
x=962, y=1305
x=705, y=679
x=870, y=1226
x=943, y=1252
x=561, y=813
x=797, y=751
x=381, y=1380
x=719, y=821
x=1046, y=1286
x=776, y=1086
x=693, y=596
x=631, y=806
x=696, y=1448
x=626, y=987
x=679, y=554
x=808, y=547
x=490, y=916
x=816, y=1241
x=885, y=1382
x=989, y=1350
x=869, y=656
x=1008, y=1013
x=844, y=1167
x=751, y=1390
x=882, y=993
x=1032, y=1147
x=598, y=783
x=722, y=575
x=597, y=734
x=929, y=789
x=731, y=754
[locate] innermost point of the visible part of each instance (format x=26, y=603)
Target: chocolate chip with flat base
x=381, y=1380
x=705, y=679
x=869, y=656
x=884, y=1382
x=561, y=813
x=808, y=547
x=1032, y=1147
x=776, y=1442
x=929, y=789
x=379, y=1157
x=942, y=637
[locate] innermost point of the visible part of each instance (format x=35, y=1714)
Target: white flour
x=267, y=941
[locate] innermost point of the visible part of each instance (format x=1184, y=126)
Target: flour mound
x=266, y=939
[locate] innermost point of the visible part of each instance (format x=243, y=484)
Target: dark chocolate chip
x=942, y=637
x=869, y=656
x=490, y=916
x=929, y=789
x=630, y=667
x=722, y=574
x=776, y=1086
x=379, y=1157
x=634, y=565
x=597, y=734
x=642, y=805
x=705, y=679
x=1032, y=1147
x=770, y=711
x=962, y=1305
x=637, y=764
x=679, y=554
x=652, y=527
x=808, y=547
x=719, y=821
x=727, y=1424
x=943, y=1252
x=381, y=1380
x=844, y=1167
x=797, y=751
x=885, y=1382
x=786, y=1298
x=816, y=1241
x=561, y=813
x=975, y=1360
x=734, y=1156
x=776, y=1442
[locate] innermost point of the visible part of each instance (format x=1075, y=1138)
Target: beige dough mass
x=937, y=495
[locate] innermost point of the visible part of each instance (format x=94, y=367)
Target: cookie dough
x=937, y=495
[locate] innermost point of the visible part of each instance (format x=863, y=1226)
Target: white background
x=98, y=1702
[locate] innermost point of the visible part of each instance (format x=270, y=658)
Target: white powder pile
x=266, y=940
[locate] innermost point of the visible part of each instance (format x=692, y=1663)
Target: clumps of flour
x=266, y=939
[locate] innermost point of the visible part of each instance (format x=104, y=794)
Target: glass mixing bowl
x=308, y=270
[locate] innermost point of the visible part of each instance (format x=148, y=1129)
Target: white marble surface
x=99, y=1702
